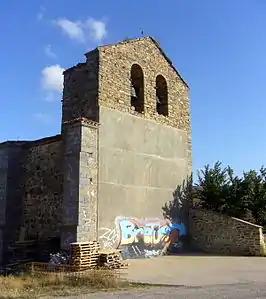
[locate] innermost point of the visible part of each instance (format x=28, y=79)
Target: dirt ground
x=197, y=270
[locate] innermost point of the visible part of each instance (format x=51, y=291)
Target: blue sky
x=218, y=46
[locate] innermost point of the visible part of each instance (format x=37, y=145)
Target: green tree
x=212, y=187
x=244, y=197
x=254, y=187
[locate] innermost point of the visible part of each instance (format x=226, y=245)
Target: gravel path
x=235, y=291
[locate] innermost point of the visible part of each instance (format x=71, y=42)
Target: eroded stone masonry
x=125, y=145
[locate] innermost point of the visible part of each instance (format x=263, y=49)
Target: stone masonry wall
x=3, y=191
x=80, y=95
x=115, y=86
x=42, y=196
x=79, y=218
x=14, y=205
x=11, y=160
x=216, y=233
x=3, y=183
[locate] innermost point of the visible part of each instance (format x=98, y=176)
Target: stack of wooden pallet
x=84, y=255
x=110, y=258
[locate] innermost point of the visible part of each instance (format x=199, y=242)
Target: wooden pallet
x=83, y=264
x=84, y=260
x=73, y=259
x=86, y=245
x=84, y=249
x=84, y=253
x=111, y=259
x=109, y=251
x=115, y=266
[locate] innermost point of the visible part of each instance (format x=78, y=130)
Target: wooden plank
x=108, y=251
x=83, y=254
x=85, y=260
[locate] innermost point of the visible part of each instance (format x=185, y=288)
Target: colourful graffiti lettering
x=149, y=231
x=142, y=235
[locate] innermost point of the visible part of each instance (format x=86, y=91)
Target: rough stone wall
x=14, y=204
x=115, y=87
x=81, y=90
x=11, y=177
x=216, y=233
x=79, y=222
x=3, y=183
x=3, y=191
x=42, y=196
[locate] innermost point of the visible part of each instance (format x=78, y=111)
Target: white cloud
x=72, y=29
x=83, y=31
x=49, y=52
x=50, y=97
x=97, y=29
x=52, y=78
x=44, y=118
x=40, y=14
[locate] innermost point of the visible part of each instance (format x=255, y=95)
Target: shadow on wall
x=177, y=211
x=146, y=237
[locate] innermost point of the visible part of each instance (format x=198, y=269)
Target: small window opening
x=137, y=88
x=161, y=96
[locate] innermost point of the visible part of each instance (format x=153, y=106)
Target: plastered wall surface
x=141, y=163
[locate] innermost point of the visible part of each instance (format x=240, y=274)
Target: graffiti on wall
x=144, y=237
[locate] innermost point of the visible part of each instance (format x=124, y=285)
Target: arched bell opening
x=161, y=96
x=137, y=88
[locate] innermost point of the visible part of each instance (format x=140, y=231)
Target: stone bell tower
x=127, y=138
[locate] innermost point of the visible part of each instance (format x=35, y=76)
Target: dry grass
x=54, y=284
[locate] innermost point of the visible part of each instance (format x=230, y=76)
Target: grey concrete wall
x=140, y=164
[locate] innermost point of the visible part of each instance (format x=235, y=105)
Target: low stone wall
x=219, y=234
